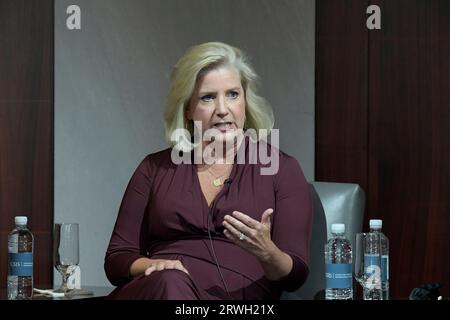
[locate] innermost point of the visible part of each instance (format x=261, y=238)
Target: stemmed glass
x=367, y=270
x=65, y=251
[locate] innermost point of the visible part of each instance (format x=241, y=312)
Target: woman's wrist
x=276, y=264
x=270, y=254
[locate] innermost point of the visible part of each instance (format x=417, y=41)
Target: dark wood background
x=383, y=121
x=26, y=127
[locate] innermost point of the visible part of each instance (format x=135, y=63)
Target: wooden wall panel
x=341, y=101
x=407, y=131
x=26, y=127
x=409, y=126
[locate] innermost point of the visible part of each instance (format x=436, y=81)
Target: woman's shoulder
x=157, y=159
x=274, y=152
x=159, y=155
x=285, y=169
x=271, y=161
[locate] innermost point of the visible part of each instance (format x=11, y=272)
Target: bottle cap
x=375, y=223
x=338, y=228
x=20, y=220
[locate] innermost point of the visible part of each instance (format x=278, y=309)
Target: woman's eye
x=207, y=98
x=233, y=94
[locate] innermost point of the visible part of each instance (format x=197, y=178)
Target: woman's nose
x=221, y=107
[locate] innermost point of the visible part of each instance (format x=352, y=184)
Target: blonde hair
x=197, y=61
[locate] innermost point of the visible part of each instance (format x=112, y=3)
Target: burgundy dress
x=164, y=215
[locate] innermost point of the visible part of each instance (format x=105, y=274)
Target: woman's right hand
x=162, y=264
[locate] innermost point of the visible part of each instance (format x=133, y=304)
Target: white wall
x=111, y=78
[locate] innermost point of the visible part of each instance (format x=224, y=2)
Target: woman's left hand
x=250, y=234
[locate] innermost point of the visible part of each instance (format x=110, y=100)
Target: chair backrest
x=332, y=203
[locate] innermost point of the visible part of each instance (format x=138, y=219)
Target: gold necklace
x=217, y=181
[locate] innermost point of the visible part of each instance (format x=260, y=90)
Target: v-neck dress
x=164, y=215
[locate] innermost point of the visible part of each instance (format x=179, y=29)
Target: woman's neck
x=209, y=153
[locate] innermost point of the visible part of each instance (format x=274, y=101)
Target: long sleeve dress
x=164, y=215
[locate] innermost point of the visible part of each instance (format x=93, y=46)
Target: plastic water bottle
x=378, y=254
x=20, y=261
x=338, y=265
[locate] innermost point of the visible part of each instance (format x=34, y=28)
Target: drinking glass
x=367, y=267
x=65, y=251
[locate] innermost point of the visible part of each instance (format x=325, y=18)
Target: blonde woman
x=210, y=226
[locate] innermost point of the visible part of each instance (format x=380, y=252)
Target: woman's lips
x=223, y=127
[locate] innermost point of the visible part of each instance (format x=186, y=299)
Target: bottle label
x=384, y=268
x=338, y=275
x=20, y=264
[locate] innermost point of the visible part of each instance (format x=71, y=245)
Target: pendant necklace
x=217, y=181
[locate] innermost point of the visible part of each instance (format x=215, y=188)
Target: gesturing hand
x=162, y=264
x=250, y=234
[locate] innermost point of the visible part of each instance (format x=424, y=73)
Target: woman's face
x=218, y=102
